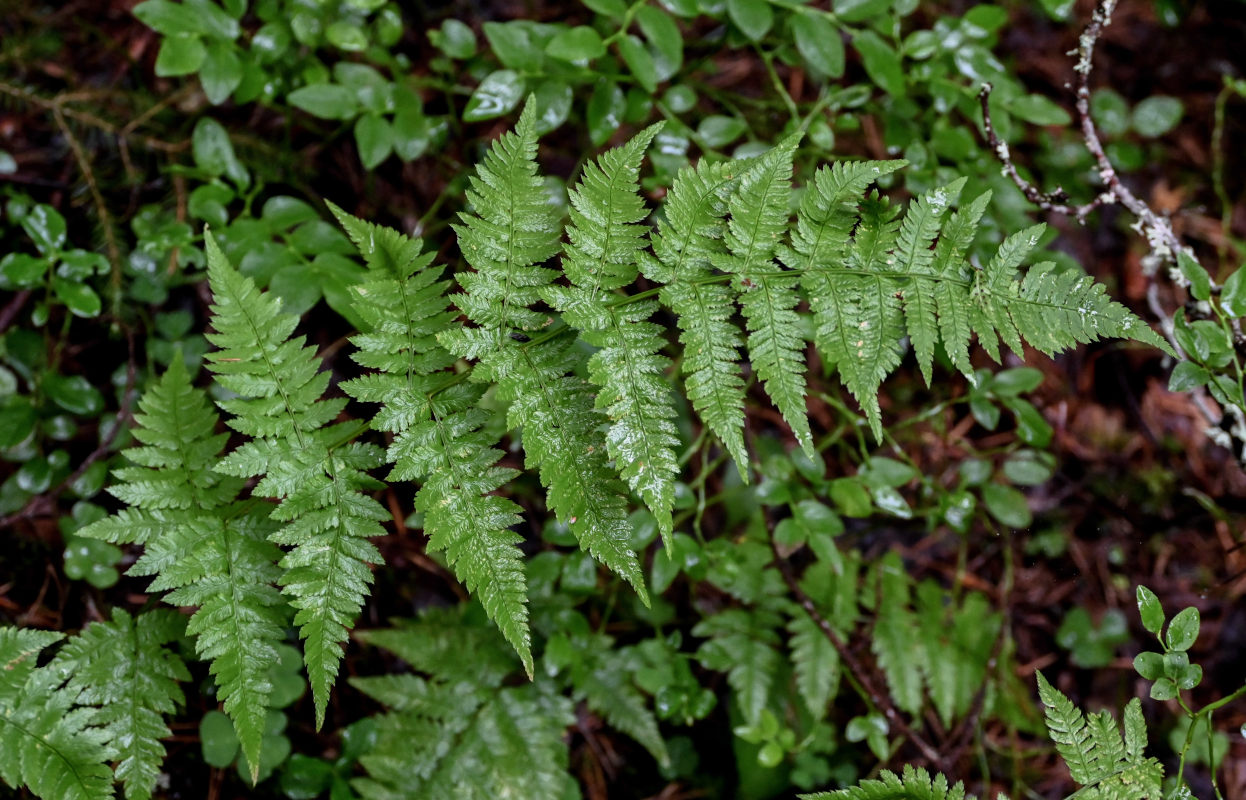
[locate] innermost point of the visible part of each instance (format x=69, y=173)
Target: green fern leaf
x=123, y=667
x=436, y=425
x=1066, y=725
x=914, y=784
x=459, y=734
x=814, y=659
x=511, y=230
x=199, y=546
x=52, y=744
x=895, y=640
x=759, y=211
x=915, y=258
x=685, y=244
x=742, y=644
x=604, y=682
x=327, y=517
x=951, y=294
x=605, y=239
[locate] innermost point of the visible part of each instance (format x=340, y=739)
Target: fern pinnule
x=124, y=668
x=436, y=424
x=327, y=518
x=912, y=784
x=605, y=239
x=915, y=257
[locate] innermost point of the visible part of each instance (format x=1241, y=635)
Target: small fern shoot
x=436, y=424
x=326, y=518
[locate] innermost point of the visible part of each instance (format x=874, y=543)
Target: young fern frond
x=326, y=517
x=436, y=424
x=510, y=231
x=895, y=639
x=768, y=298
x=604, y=241
x=123, y=667
x=52, y=742
x=685, y=243
x=201, y=546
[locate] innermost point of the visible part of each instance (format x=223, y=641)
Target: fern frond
x=605, y=239
x=52, y=743
x=456, y=736
x=915, y=258
x=914, y=784
x=436, y=424
x=815, y=661
x=327, y=517
x=200, y=548
x=685, y=243
x=768, y=298
x=949, y=293
x=742, y=644
x=895, y=639
x=123, y=667
x=510, y=230
x=602, y=679
x=1096, y=756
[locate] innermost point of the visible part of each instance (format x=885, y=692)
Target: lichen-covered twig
x=1163, y=244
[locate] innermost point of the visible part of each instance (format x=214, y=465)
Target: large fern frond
x=52, y=743
x=436, y=424
x=742, y=644
x=124, y=668
x=201, y=547
x=605, y=239
x=327, y=518
x=508, y=233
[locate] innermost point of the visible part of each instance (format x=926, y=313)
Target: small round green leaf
x=374, y=139
x=496, y=95
x=217, y=737
x=752, y=17
x=325, y=100
x=1183, y=630
x=1150, y=610
x=1156, y=116
x=578, y=44
x=180, y=55
x=1007, y=505
x=819, y=44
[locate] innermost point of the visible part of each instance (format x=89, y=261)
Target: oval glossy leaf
x=374, y=138
x=496, y=95
x=1150, y=610
x=180, y=55
x=752, y=17
x=325, y=100
x=820, y=44
x=1157, y=115
x=1007, y=505
x=578, y=44
x=881, y=62
x=1183, y=630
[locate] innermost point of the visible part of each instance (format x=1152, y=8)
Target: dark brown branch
x=880, y=699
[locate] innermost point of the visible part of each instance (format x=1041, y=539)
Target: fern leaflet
x=123, y=667
x=685, y=243
x=201, y=545
x=52, y=743
x=600, y=258
x=436, y=425
x=913, y=784
x=512, y=230
x=327, y=519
